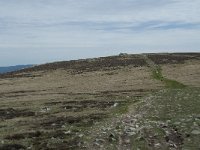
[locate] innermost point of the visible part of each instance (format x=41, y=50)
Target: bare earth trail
x=148, y=101
x=156, y=121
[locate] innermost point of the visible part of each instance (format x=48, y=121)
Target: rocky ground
x=168, y=119
x=120, y=102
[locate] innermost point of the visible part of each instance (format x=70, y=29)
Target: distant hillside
x=13, y=68
x=105, y=63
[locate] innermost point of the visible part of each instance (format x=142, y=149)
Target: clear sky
x=39, y=31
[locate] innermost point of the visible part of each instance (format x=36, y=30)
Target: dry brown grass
x=187, y=73
x=54, y=101
x=77, y=100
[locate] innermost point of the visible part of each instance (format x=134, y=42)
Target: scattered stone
x=127, y=141
x=30, y=147
x=168, y=121
x=173, y=145
x=115, y=104
x=80, y=135
x=100, y=140
x=67, y=132
x=97, y=144
x=195, y=132
x=45, y=109
x=130, y=129
x=157, y=145
x=195, y=124
x=107, y=129
x=53, y=124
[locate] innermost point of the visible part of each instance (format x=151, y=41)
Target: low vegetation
x=118, y=102
x=157, y=74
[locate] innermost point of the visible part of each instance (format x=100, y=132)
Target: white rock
x=157, y=145
x=67, y=132
x=80, y=135
x=195, y=132
x=115, y=104
x=131, y=133
x=137, y=126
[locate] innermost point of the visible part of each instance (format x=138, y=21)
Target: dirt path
x=133, y=130
x=167, y=119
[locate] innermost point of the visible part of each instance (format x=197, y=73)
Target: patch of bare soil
x=12, y=147
x=20, y=136
x=174, y=136
x=10, y=113
x=44, y=140
x=85, y=121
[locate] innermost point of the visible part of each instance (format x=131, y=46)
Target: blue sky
x=39, y=31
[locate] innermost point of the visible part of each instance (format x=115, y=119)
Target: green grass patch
x=157, y=74
x=173, y=84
